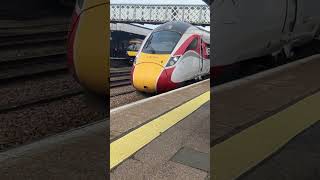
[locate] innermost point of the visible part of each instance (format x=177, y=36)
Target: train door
x=288, y=29
x=290, y=20
x=204, y=56
x=306, y=22
x=189, y=66
x=202, y=51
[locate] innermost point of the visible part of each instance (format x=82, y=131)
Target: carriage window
x=193, y=45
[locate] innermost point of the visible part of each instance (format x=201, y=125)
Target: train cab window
x=193, y=45
x=161, y=42
x=138, y=47
x=134, y=47
x=131, y=47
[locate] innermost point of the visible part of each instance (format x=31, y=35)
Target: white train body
x=244, y=29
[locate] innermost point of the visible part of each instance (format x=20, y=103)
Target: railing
x=158, y=14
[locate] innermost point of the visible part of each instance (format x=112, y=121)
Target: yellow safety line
x=127, y=145
x=245, y=150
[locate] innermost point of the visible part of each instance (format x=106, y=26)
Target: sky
x=185, y=2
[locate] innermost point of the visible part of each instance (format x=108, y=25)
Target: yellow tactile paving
x=126, y=146
x=243, y=151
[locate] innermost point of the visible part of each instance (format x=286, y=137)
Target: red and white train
x=245, y=29
x=171, y=55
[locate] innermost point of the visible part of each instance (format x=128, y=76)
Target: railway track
x=38, y=95
x=45, y=94
x=120, y=87
x=121, y=91
x=23, y=55
x=120, y=77
x=39, y=100
x=22, y=69
x=15, y=73
x=120, y=83
x=35, y=39
x=120, y=73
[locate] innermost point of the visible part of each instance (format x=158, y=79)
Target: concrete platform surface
x=297, y=160
x=260, y=112
x=126, y=118
x=238, y=105
x=181, y=152
x=77, y=154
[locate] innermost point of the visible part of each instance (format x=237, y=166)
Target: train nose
x=145, y=76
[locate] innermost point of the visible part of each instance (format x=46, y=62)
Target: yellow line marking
x=245, y=150
x=126, y=146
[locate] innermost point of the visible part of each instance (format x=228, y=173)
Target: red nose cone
x=71, y=39
x=164, y=82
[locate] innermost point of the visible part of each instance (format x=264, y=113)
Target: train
x=88, y=50
x=249, y=29
x=171, y=55
x=133, y=48
x=241, y=30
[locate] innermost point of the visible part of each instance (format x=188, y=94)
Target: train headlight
x=135, y=59
x=172, y=61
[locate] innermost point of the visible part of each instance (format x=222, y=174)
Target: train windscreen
x=134, y=47
x=161, y=42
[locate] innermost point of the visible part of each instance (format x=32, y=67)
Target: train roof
x=177, y=26
x=203, y=29
x=204, y=33
x=183, y=27
x=135, y=41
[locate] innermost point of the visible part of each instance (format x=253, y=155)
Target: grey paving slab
x=190, y=157
x=199, y=130
x=172, y=170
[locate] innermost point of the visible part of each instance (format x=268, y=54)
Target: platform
x=168, y=139
x=255, y=119
x=76, y=154
x=163, y=137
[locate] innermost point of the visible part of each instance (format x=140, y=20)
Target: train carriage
x=249, y=29
x=177, y=52
x=133, y=48
x=171, y=55
x=88, y=45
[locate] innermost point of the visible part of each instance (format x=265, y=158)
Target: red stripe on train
x=184, y=45
x=164, y=82
x=71, y=39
